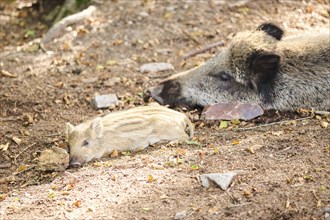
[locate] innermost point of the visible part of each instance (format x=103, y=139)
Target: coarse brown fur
x=258, y=67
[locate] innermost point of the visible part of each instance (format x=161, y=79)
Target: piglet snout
x=74, y=163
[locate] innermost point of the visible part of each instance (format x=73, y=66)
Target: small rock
x=180, y=215
x=54, y=159
x=223, y=180
x=230, y=111
x=324, y=124
x=155, y=67
x=104, y=101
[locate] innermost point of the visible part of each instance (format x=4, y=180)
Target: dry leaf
x=235, y=142
x=16, y=140
x=4, y=147
x=77, y=203
x=150, y=178
x=114, y=153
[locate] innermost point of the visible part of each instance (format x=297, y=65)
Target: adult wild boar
x=257, y=67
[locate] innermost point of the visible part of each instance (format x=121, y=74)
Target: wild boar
x=257, y=67
x=132, y=129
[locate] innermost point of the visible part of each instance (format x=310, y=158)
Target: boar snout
x=166, y=93
x=154, y=92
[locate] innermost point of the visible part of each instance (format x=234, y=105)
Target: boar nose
x=155, y=92
x=74, y=163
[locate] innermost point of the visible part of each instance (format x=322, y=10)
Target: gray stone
x=180, y=215
x=54, y=159
x=155, y=67
x=104, y=101
x=230, y=111
x=223, y=180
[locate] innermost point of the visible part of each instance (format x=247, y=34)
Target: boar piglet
x=132, y=129
x=257, y=67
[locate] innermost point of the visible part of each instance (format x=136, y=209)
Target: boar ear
x=271, y=30
x=264, y=68
x=97, y=127
x=69, y=129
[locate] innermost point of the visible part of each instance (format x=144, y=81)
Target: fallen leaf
x=4, y=147
x=235, y=121
x=150, y=178
x=194, y=167
x=235, y=142
x=223, y=124
x=51, y=195
x=21, y=168
x=77, y=203
x=16, y=140
x=114, y=153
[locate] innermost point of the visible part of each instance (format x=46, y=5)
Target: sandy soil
x=287, y=177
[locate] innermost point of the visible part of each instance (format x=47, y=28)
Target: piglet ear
x=69, y=129
x=272, y=30
x=97, y=127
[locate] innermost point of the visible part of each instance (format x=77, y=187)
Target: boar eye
x=223, y=76
x=85, y=143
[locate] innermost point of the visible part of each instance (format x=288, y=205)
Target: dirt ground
x=286, y=175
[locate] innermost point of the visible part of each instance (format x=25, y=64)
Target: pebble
x=180, y=215
x=104, y=101
x=223, y=180
x=230, y=111
x=54, y=159
x=155, y=67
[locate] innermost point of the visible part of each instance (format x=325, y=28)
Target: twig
x=9, y=119
x=52, y=135
x=239, y=205
x=191, y=37
x=30, y=168
x=8, y=74
x=204, y=49
x=273, y=123
x=59, y=27
x=23, y=151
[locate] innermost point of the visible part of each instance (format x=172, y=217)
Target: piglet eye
x=85, y=143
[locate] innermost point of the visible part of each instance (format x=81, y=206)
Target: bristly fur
x=260, y=67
